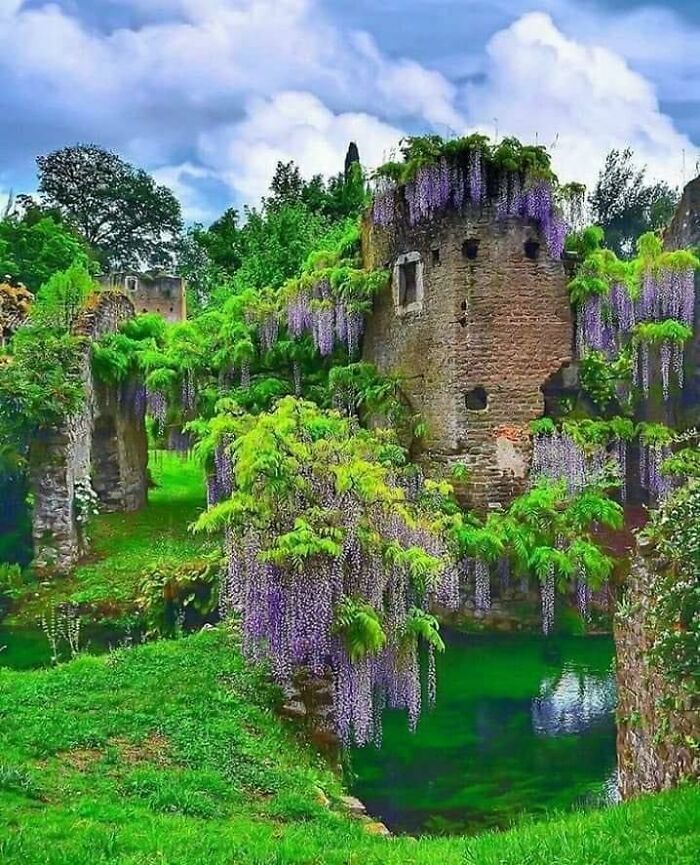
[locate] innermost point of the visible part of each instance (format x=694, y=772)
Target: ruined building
x=158, y=293
x=102, y=447
x=477, y=324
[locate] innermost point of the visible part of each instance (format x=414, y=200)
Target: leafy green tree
x=124, y=216
x=62, y=297
x=41, y=383
x=36, y=245
x=625, y=206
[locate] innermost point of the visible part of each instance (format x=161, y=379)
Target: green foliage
x=359, y=626
x=423, y=626
x=282, y=459
x=270, y=245
x=41, y=381
x=674, y=619
x=601, y=378
x=305, y=541
x=546, y=529
x=421, y=567
x=61, y=299
x=599, y=271
x=12, y=581
x=658, y=332
x=34, y=248
x=583, y=243
x=119, y=356
x=543, y=426
x=655, y=434
x=508, y=155
x=176, y=595
x=625, y=205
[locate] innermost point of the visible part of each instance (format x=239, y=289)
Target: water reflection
x=521, y=726
x=572, y=702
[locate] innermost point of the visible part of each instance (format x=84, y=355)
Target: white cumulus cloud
x=295, y=126
x=581, y=99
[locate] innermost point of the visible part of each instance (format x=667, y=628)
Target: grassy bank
x=170, y=753
x=106, y=583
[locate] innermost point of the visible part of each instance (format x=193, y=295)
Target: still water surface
x=28, y=648
x=523, y=725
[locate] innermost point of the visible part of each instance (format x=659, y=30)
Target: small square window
x=436, y=256
x=408, y=283
x=532, y=250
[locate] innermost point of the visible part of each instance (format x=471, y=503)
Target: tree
x=61, y=299
x=625, y=205
x=124, y=216
x=36, y=245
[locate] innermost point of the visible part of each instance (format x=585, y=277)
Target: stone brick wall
x=104, y=442
x=652, y=751
x=498, y=323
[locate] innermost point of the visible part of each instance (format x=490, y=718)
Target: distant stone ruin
x=159, y=293
x=103, y=447
x=478, y=323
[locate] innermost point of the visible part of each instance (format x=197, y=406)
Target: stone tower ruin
x=476, y=324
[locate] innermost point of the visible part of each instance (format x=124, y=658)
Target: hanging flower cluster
x=667, y=338
x=438, y=177
x=647, y=303
x=317, y=311
x=557, y=455
x=655, y=447
x=157, y=406
x=332, y=566
x=582, y=452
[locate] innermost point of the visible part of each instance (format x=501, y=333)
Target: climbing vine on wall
x=674, y=620
x=632, y=314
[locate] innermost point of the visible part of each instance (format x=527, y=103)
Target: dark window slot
x=408, y=283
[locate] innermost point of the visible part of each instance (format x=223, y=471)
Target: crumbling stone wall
x=103, y=444
x=489, y=330
x=655, y=721
x=159, y=293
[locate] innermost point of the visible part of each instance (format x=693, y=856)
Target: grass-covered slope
x=170, y=753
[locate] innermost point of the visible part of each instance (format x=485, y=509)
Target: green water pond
x=29, y=649
x=522, y=726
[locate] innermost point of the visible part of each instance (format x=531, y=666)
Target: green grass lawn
x=170, y=753
x=106, y=584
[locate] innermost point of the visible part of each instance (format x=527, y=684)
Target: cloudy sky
x=209, y=94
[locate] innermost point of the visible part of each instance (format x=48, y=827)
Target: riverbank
x=172, y=752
